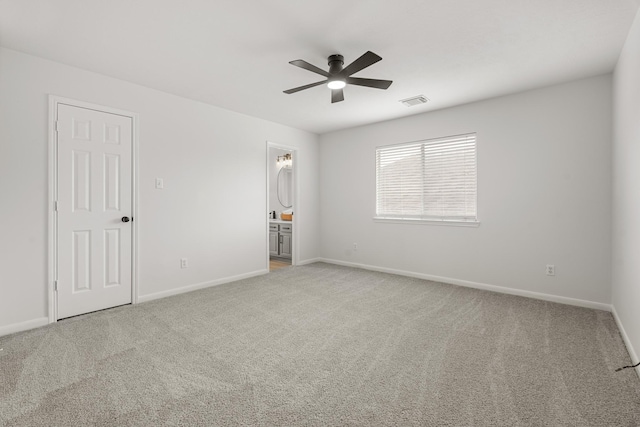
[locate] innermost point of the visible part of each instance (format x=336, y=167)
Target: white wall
x=544, y=177
x=626, y=190
x=212, y=210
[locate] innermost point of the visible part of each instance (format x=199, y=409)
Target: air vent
x=415, y=100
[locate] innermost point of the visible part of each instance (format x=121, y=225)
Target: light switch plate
x=159, y=183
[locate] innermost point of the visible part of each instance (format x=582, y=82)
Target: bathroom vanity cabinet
x=280, y=243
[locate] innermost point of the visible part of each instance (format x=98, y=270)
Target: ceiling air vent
x=415, y=100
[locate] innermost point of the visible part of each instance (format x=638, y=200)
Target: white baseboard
x=476, y=285
x=625, y=338
x=309, y=261
x=202, y=285
x=23, y=326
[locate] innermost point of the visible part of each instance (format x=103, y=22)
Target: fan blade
x=369, y=58
x=304, y=64
x=298, y=89
x=378, y=84
x=337, y=95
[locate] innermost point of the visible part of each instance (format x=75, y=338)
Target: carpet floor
x=323, y=345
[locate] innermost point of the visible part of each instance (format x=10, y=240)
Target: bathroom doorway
x=281, y=213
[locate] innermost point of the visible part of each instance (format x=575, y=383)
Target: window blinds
x=434, y=179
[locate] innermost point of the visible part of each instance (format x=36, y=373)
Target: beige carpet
x=323, y=345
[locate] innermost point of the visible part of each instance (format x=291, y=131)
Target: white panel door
x=94, y=195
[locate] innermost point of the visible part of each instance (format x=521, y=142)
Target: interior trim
x=477, y=285
x=201, y=285
x=23, y=326
x=625, y=338
x=310, y=261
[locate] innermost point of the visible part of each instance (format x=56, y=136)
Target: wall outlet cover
x=551, y=270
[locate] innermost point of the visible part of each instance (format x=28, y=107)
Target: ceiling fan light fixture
x=336, y=84
x=338, y=77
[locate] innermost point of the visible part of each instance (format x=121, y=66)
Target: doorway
x=281, y=200
x=93, y=196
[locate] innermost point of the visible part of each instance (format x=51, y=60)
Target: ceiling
x=234, y=54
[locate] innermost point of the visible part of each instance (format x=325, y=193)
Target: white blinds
x=433, y=179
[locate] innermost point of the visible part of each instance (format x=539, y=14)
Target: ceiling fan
x=338, y=77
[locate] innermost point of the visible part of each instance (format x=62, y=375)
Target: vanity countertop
x=279, y=221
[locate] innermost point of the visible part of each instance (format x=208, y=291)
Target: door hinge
x=55, y=285
x=57, y=125
x=55, y=206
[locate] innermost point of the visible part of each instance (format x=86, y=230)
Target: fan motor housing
x=335, y=63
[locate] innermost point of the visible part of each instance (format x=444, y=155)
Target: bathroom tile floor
x=277, y=264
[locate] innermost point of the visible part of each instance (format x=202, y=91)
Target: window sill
x=449, y=222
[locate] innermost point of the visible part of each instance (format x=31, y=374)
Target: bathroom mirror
x=285, y=186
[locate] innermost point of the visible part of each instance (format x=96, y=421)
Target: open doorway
x=280, y=206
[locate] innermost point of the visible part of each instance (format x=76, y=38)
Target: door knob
x=125, y=219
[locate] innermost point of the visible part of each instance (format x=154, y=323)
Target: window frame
x=424, y=219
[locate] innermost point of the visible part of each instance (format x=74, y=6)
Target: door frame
x=52, y=255
x=294, y=206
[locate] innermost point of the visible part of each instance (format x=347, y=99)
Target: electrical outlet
x=355, y=246
x=159, y=183
x=551, y=270
x=184, y=263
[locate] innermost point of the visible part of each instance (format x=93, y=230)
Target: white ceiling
x=235, y=53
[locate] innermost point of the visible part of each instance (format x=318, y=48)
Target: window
x=430, y=180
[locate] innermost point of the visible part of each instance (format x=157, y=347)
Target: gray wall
x=211, y=211
x=626, y=190
x=544, y=182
